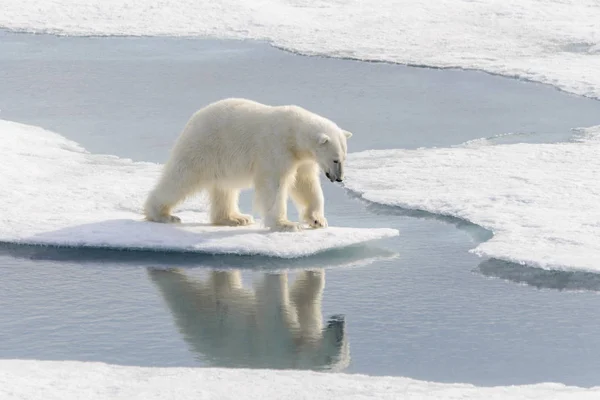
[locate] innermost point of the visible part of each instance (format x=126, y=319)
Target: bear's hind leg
x=171, y=190
x=224, y=208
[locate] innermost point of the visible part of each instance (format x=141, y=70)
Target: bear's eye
x=336, y=161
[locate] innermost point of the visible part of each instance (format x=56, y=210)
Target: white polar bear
x=237, y=143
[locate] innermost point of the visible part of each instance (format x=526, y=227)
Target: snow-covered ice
x=549, y=41
x=56, y=193
x=541, y=201
x=65, y=380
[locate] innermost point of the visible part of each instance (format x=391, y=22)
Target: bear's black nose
x=338, y=180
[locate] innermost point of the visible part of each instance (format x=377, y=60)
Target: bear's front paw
x=236, y=220
x=316, y=220
x=287, y=226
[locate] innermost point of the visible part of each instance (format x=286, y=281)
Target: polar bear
x=234, y=144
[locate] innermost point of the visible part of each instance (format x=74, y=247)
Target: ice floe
x=541, y=201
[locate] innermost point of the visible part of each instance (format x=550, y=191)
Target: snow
x=551, y=41
x=65, y=380
x=541, y=201
x=56, y=193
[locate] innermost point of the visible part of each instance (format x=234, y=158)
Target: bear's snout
x=333, y=178
x=335, y=173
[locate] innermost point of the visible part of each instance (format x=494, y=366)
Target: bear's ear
x=347, y=134
x=323, y=139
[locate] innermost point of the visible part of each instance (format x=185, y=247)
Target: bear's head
x=331, y=153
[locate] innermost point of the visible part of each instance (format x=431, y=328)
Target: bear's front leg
x=271, y=197
x=308, y=196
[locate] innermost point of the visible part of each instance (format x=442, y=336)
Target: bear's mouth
x=328, y=175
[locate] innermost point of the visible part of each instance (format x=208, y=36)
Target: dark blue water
x=418, y=305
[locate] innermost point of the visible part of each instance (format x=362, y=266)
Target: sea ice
x=549, y=41
x=541, y=201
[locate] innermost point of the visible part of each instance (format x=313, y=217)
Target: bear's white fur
x=237, y=143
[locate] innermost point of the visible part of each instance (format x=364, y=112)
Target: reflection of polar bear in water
x=235, y=144
x=272, y=326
